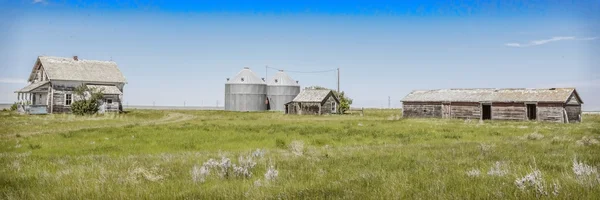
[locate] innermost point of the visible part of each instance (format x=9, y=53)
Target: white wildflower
x=535, y=136
x=497, y=170
x=241, y=171
x=474, y=173
x=257, y=183
x=556, y=188
x=199, y=174
x=258, y=153
x=587, y=141
x=297, y=148
x=271, y=173
x=585, y=174
x=533, y=180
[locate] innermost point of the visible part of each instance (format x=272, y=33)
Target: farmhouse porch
x=33, y=99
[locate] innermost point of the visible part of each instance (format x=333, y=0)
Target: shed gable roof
x=312, y=95
x=59, y=68
x=491, y=95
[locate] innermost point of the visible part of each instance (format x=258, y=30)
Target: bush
x=85, y=107
x=279, y=143
x=13, y=107
x=88, y=104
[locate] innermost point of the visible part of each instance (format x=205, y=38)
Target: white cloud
x=12, y=80
x=39, y=1
x=541, y=42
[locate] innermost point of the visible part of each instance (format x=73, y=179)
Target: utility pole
x=183, y=103
x=389, y=102
x=338, y=80
x=266, y=72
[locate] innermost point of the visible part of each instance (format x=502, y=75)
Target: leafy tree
x=345, y=101
x=87, y=104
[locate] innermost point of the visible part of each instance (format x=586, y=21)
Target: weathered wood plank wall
x=419, y=109
x=509, y=111
x=465, y=110
x=573, y=113
x=551, y=112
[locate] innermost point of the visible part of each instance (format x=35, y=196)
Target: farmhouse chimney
x=75, y=58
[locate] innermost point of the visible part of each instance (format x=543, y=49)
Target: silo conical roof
x=246, y=76
x=282, y=79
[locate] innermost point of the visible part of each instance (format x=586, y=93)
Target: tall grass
x=225, y=155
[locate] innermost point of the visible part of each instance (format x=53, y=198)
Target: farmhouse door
x=446, y=110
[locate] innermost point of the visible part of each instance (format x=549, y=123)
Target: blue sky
x=176, y=51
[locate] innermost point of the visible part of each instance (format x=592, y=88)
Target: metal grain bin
x=245, y=92
x=281, y=89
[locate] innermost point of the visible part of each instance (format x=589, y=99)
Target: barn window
x=68, y=99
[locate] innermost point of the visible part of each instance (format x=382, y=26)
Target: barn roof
x=492, y=95
x=312, y=95
x=282, y=79
x=59, y=68
x=246, y=76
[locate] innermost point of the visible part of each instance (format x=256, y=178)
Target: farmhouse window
x=68, y=99
x=109, y=101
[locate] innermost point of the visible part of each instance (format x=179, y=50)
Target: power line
x=306, y=72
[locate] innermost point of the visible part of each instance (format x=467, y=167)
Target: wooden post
x=338, y=81
x=320, y=110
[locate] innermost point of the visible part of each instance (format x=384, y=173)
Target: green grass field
x=225, y=155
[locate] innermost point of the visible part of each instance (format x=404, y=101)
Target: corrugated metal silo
x=281, y=89
x=245, y=92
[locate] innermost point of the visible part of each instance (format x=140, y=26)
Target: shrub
x=279, y=143
x=13, y=107
x=88, y=104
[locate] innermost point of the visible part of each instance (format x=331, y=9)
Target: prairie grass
x=226, y=155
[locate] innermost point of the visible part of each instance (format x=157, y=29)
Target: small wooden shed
x=552, y=104
x=313, y=102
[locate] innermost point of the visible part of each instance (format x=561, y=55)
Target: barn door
x=446, y=110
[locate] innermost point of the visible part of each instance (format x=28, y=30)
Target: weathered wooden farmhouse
x=553, y=104
x=53, y=80
x=313, y=102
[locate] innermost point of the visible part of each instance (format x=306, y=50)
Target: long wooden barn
x=553, y=104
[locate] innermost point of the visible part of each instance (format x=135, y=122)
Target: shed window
x=109, y=101
x=68, y=99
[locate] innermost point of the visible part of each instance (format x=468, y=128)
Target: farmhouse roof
x=32, y=86
x=106, y=89
x=59, y=68
x=246, y=76
x=492, y=95
x=313, y=95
